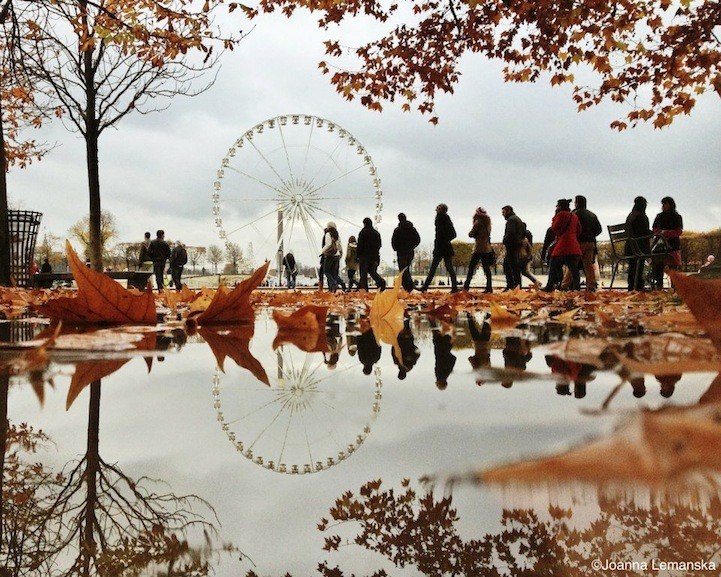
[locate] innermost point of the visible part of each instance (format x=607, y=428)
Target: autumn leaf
x=88, y=372
x=100, y=299
x=653, y=447
x=235, y=343
x=307, y=318
x=233, y=306
x=501, y=316
x=703, y=297
x=386, y=316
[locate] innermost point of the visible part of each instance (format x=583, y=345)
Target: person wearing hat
x=566, y=251
x=482, y=250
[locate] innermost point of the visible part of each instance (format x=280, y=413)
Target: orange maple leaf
x=307, y=318
x=235, y=343
x=233, y=306
x=703, y=297
x=386, y=316
x=100, y=299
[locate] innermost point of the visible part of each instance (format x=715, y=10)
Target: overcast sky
x=496, y=144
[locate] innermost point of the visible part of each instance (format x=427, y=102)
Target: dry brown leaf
x=233, y=306
x=386, y=316
x=87, y=372
x=235, y=343
x=703, y=297
x=99, y=300
x=501, y=316
x=307, y=318
x=653, y=447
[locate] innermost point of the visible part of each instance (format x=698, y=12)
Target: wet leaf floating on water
x=501, y=316
x=233, y=306
x=235, y=343
x=703, y=297
x=304, y=328
x=651, y=447
x=100, y=299
x=386, y=316
x=87, y=372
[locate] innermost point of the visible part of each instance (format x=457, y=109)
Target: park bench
x=619, y=240
x=137, y=279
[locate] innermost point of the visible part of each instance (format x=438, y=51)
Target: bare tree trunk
x=91, y=151
x=4, y=387
x=92, y=471
x=4, y=224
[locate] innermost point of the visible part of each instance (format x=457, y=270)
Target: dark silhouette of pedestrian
x=331, y=252
x=590, y=229
x=159, y=253
x=516, y=353
x=481, y=356
x=512, y=241
x=291, y=272
x=445, y=359
x=637, y=229
x=669, y=225
x=409, y=351
x=404, y=241
x=526, y=257
x=178, y=260
x=351, y=261
x=369, y=255
x=369, y=351
x=143, y=253
x=442, y=248
x=482, y=249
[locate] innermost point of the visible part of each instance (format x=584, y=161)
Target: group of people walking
x=570, y=246
x=158, y=252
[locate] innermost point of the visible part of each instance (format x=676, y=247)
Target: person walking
x=331, y=253
x=669, y=225
x=159, y=253
x=178, y=259
x=369, y=255
x=526, y=257
x=144, y=260
x=290, y=270
x=637, y=229
x=351, y=261
x=590, y=229
x=566, y=250
x=482, y=250
x=512, y=241
x=442, y=248
x=404, y=241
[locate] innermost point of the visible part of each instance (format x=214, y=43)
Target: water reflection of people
x=335, y=342
x=638, y=384
x=445, y=359
x=409, y=351
x=481, y=356
x=668, y=384
x=516, y=353
x=569, y=371
x=369, y=351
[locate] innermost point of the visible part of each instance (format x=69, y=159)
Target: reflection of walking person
x=445, y=359
x=369, y=351
x=408, y=349
x=481, y=356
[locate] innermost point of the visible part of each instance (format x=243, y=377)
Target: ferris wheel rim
x=281, y=193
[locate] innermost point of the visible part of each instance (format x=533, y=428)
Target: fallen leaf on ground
x=703, y=297
x=87, y=372
x=386, y=316
x=100, y=299
x=501, y=315
x=235, y=343
x=307, y=318
x=233, y=306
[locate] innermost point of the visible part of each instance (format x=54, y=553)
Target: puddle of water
x=273, y=459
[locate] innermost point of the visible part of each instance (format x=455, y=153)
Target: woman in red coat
x=566, y=250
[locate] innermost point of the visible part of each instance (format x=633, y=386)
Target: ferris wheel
x=308, y=420
x=285, y=178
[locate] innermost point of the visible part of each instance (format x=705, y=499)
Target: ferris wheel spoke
x=263, y=431
x=285, y=436
x=263, y=406
x=307, y=151
x=338, y=217
x=325, y=162
x=232, y=200
x=309, y=235
x=268, y=163
x=307, y=440
x=256, y=179
x=252, y=223
x=342, y=198
x=285, y=149
x=333, y=430
x=337, y=178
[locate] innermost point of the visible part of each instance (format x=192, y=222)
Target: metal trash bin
x=23, y=227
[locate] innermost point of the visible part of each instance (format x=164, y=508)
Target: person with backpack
x=178, y=259
x=331, y=253
x=404, y=241
x=442, y=248
x=159, y=253
x=526, y=257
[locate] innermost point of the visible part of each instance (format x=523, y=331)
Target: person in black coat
x=159, y=253
x=442, y=248
x=668, y=224
x=369, y=351
x=513, y=241
x=408, y=350
x=178, y=259
x=404, y=241
x=369, y=255
x=637, y=227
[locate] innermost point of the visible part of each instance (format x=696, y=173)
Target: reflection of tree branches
x=108, y=524
x=418, y=529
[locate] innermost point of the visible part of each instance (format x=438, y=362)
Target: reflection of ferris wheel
x=309, y=420
x=284, y=178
